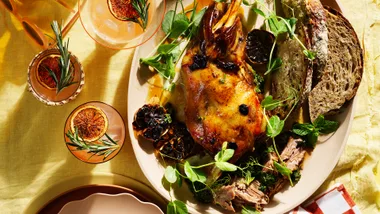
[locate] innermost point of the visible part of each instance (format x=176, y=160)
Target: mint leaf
x=300, y=132
x=310, y=132
x=226, y=167
x=325, y=126
x=176, y=207
x=269, y=103
x=303, y=129
x=170, y=174
x=329, y=127
x=194, y=174
x=275, y=126
x=312, y=139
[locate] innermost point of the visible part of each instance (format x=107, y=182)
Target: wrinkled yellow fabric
x=33, y=154
x=358, y=168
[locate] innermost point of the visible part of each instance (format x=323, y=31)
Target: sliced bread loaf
x=293, y=78
x=311, y=14
x=343, y=72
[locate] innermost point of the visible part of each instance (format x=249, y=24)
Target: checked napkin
x=335, y=201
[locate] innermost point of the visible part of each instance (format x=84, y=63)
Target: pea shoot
x=179, y=30
x=278, y=25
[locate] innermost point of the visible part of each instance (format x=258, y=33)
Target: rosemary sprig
x=105, y=149
x=141, y=7
x=67, y=72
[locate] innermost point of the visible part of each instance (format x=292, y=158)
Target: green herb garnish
x=197, y=177
x=259, y=82
x=311, y=131
x=67, y=71
x=176, y=207
x=283, y=170
x=168, y=118
x=296, y=176
x=106, y=148
x=249, y=210
x=279, y=25
x=178, y=30
x=275, y=126
x=141, y=7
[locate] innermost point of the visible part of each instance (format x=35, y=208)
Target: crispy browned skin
x=213, y=92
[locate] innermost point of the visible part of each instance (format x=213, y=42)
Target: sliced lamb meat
x=224, y=197
x=277, y=187
x=293, y=155
x=269, y=164
x=249, y=194
x=239, y=193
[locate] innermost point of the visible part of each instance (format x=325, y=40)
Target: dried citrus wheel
x=43, y=76
x=91, y=121
x=122, y=9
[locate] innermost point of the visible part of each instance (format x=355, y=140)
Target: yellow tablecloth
x=33, y=154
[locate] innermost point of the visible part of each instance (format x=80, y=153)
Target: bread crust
x=343, y=72
x=318, y=32
x=355, y=36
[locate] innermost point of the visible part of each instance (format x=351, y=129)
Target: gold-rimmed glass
x=105, y=29
x=50, y=96
x=116, y=130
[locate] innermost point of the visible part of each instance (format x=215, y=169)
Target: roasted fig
x=151, y=122
x=177, y=143
x=259, y=45
x=169, y=136
x=122, y=9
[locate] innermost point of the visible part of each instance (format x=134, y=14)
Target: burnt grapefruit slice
x=91, y=122
x=43, y=75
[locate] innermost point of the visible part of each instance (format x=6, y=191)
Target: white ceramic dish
x=316, y=168
x=52, y=198
x=100, y=203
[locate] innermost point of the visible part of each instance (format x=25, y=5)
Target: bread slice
x=311, y=14
x=296, y=74
x=294, y=77
x=343, y=72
